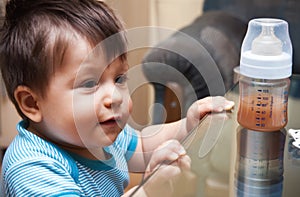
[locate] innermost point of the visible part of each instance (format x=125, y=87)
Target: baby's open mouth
x=111, y=121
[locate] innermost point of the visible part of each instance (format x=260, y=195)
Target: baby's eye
x=122, y=79
x=89, y=84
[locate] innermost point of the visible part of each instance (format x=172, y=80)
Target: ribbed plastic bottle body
x=263, y=103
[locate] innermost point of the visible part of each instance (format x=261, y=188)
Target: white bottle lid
x=266, y=50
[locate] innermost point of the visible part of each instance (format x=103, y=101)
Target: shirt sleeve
x=132, y=146
x=129, y=142
x=39, y=177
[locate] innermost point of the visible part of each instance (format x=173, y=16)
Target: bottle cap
x=266, y=50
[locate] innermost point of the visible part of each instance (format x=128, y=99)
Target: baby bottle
x=265, y=68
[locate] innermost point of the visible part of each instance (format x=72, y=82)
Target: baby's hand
x=203, y=106
x=170, y=152
x=173, y=168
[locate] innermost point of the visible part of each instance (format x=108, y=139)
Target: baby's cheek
x=129, y=106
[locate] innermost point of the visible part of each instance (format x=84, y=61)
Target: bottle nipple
x=267, y=43
x=266, y=51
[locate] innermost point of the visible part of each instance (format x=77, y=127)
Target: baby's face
x=87, y=102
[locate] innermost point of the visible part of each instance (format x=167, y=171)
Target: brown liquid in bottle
x=262, y=112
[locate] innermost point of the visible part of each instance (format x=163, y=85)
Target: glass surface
x=228, y=160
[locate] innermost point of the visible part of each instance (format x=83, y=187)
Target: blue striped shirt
x=35, y=167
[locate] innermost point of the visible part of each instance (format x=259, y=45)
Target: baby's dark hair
x=36, y=33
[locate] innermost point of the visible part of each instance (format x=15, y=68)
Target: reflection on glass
x=259, y=165
x=293, y=152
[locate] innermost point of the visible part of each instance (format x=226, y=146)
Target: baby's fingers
x=167, y=152
x=184, y=162
x=215, y=104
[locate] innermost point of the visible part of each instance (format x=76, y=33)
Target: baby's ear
x=27, y=101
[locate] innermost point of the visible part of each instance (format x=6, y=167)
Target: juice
x=263, y=112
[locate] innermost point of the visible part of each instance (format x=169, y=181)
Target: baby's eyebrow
x=93, y=64
x=125, y=66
